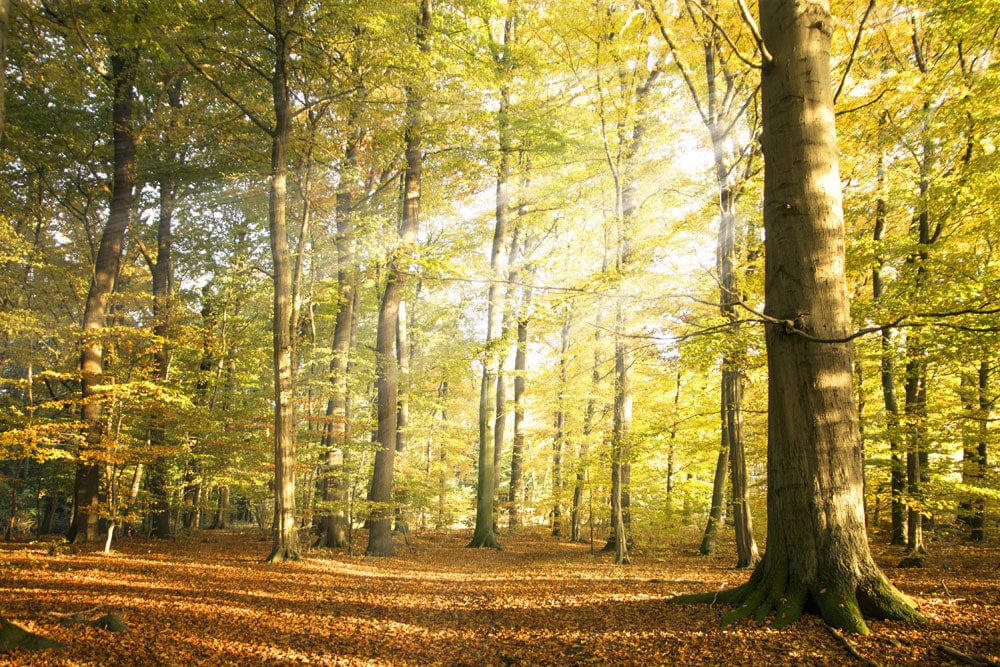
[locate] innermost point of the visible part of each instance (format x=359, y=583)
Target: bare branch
x=854, y=49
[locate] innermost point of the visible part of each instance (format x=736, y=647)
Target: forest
x=588, y=286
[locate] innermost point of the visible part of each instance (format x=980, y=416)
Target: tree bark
x=897, y=471
x=576, y=519
x=817, y=548
x=86, y=493
x=162, y=271
x=559, y=443
x=520, y=382
x=380, y=524
x=4, y=23
x=286, y=540
x=484, y=535
x=337, y=428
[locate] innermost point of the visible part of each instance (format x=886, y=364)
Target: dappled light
x=212, y=602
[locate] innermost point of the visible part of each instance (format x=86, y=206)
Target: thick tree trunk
x=387, y=382
x=817, y=548
x=86, y=487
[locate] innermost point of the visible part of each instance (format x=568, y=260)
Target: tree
x=124, y=61
x=4, y=22
x=725, y=102
x=484, y=535
x=387, y=382
x=817, y=549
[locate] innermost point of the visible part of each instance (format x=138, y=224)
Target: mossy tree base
x=13, y=637
x=841, y=602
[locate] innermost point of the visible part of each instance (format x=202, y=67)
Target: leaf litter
x=211, y=600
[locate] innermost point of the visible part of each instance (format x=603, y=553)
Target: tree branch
x=854, y=49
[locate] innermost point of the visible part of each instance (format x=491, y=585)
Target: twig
x=716, y=596
x=979, y=661
x=850, y=647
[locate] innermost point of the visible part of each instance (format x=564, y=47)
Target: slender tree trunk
x=589, y=418
x=443, y=473
x=517, y=447
x=817, y=548
x=87, y=484
x=337, y=428
x=559, y=443
x=286, y=541
x=4, y=22
x=977, y=523
x=718, y=496
x=897, y=471
x=403, y=355
x=485, y=535
x=380, y=531
x=162, y=271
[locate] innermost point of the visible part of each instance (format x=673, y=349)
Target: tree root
x=842, y=607
x=14, y=637
x=487, y=542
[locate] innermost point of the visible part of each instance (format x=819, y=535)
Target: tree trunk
x=286, y=540
x=707, y=547
x=589, y=416
x=559, y=444
x=380, y=530
x=403, y=356
x=162, y=271
x=897, y=472
x=978, y=519
x=86, y=496
x=817, y=548
x=517, y=447
x=337, y=429
x=4, y=22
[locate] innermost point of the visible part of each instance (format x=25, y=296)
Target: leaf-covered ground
x=211, y=601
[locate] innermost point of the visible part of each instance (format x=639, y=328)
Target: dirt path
x=210, y=601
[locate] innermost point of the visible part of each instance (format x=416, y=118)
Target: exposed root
x=14, y=637
x=841, y=607
x=488, y=541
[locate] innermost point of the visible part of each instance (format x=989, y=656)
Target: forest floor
x=210, y=600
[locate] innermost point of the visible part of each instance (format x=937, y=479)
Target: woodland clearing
x=210, y=599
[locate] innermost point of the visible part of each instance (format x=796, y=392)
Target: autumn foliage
x=211, y=600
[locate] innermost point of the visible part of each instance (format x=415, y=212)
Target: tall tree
x=817, y=548
x=484, y=535
x=387, y=383
x=122, y=77
x=723, y=104
x=4, y=23
x=161, y=268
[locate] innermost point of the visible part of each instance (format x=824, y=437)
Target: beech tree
x=386, y=361
x=817, y=547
